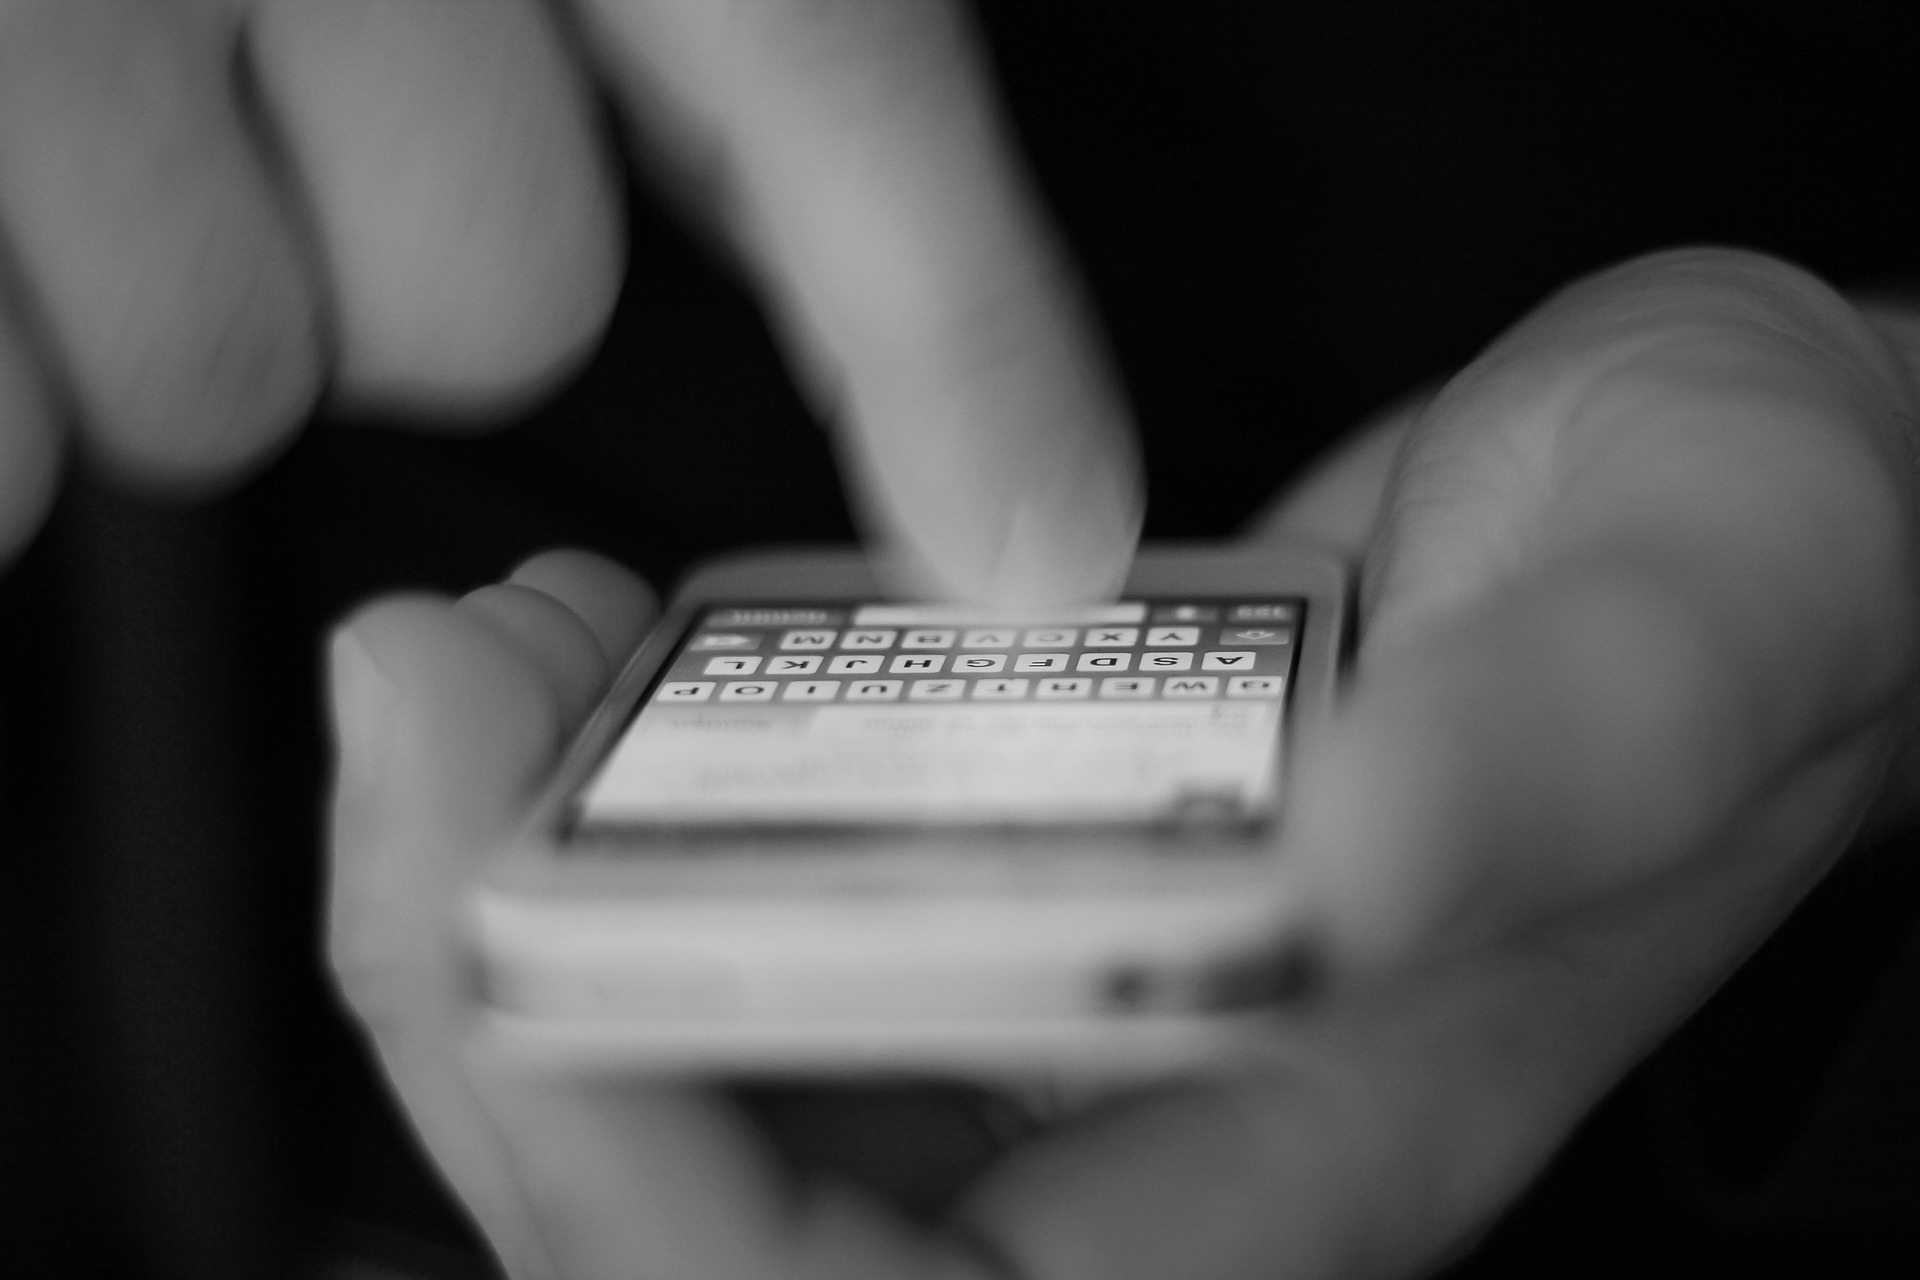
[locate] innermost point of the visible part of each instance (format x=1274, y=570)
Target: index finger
x=858, y=163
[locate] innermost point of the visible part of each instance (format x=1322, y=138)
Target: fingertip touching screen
x=851, y=714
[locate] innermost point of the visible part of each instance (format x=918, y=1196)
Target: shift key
x=1257, y=635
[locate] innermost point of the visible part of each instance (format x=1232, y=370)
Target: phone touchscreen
x=855, y=714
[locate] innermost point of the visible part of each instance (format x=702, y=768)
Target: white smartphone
x=814, y=830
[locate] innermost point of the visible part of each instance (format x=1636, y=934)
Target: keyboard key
x=868, y=639
x=1173, y=635
x=927, y=640
x=1127, y=687
x=920, y=664
x=749, y=691
x=988, y=639
x=1166, y=662
x=1257, y=635
x=1049, y=638
x=1218, y=660
x=1190, y=687
x=784, y=666
x=854, y=664
x=1254, y=686
x=979, y=663
x=936, y=690
x=1000, y=690
x=725, y=640
x=684, y=691
x=1107, y=662
x=1064, y=687
x=810, y=691
x=1041, y=662
x=1258, y=613
x=732, y=666
x=807, y=640
x=873, y=690
x=1112, y=637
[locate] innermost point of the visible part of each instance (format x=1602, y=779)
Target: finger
x=644, y=1179
x=29, y=445
x=1390, y=1129
x=859, y=163
x=152, y=248
x=554, y=636
x=444, y=726
x=1898, y=320
x=447, y=718
x=576, y=614
x=613, y=602
x=1337, y=503
x=1640, y=559
x=467, y=216
x=636, y=1179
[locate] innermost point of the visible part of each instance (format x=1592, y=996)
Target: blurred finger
x=468, y=218
x=565, y=650
x=636, y=1178
x=611, y=600
x=1390, y=1127
x=644, y=1178
x=29, y=444
x=444, y=726
x=1645, y=555
x=1389, y=1130
x=448, y=717
x=154, y=251
x=1898, y=321
x=1337, y=503
x=858, y=161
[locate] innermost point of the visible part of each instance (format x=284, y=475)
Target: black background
x=1288, y=215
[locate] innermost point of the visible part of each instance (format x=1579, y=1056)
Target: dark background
x=1288, y=214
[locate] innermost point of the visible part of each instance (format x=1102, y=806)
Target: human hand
x=214, y=207
x=1639, y=641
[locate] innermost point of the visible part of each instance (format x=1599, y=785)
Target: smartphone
x=818, y=831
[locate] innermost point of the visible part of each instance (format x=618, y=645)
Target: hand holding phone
x=815, y=830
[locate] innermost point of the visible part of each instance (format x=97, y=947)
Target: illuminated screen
x=1146, y=711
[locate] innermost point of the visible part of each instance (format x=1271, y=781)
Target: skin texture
x=212, y=210
x=1639, y=640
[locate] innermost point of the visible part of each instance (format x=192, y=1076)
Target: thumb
x=1643, y=564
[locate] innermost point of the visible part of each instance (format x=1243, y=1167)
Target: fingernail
x=364, y=699
x=1058, y=553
